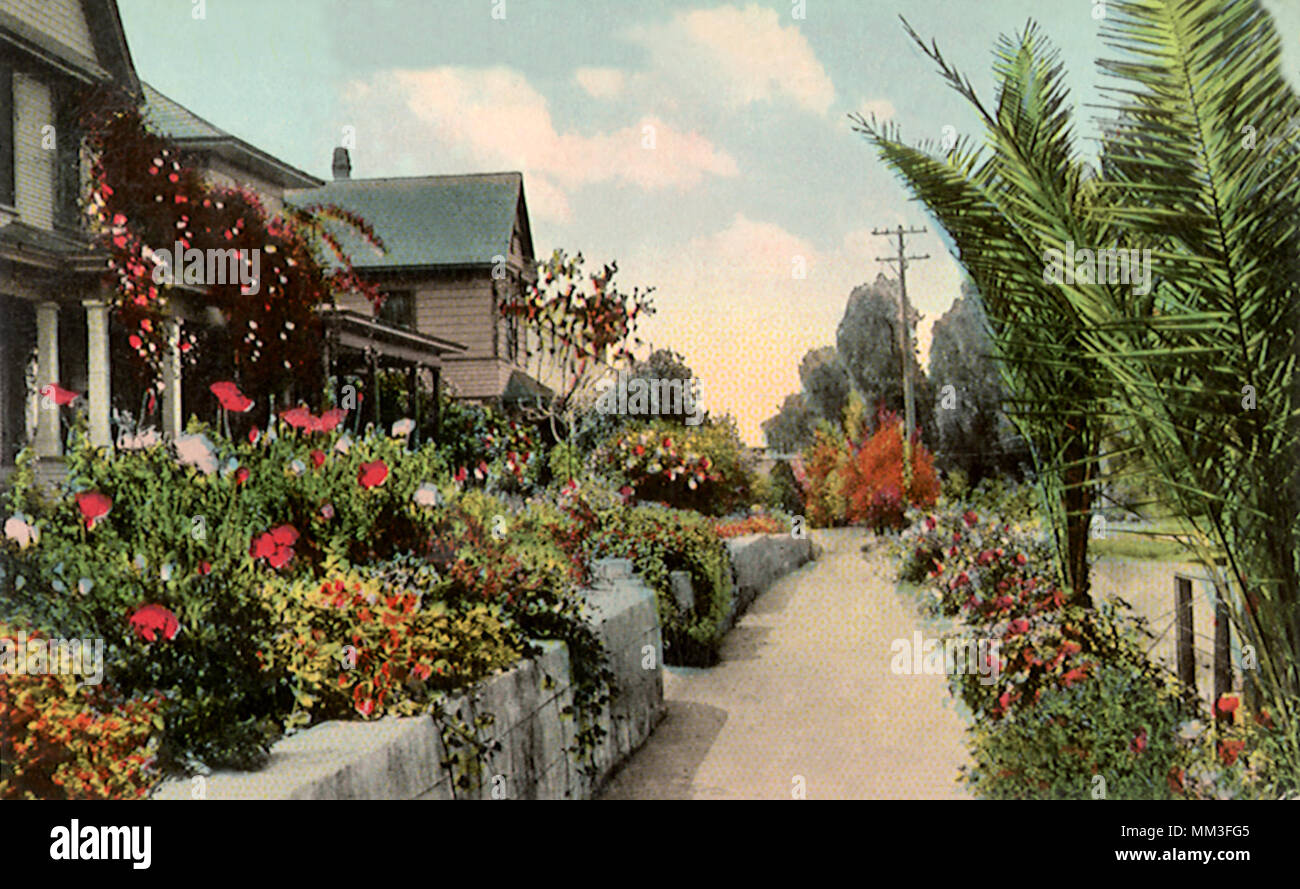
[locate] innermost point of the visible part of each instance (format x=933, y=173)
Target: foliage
x=705, y=468
x=146, y=198
x=379, y=641
x=856, y=477
x=62, y=740
x=759, y=523
x=972, y=433
x=1195, y=369
x=659, y=541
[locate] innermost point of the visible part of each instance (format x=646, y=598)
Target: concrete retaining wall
x=758, y=561
x=401, y=758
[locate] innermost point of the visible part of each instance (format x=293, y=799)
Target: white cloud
x=452, y=119
x=600, y=83
x=738, y=56
x=883, y=109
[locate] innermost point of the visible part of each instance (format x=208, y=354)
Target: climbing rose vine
x=146, y=198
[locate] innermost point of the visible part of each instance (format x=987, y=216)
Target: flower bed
x=1076, y=697
x=211, y=569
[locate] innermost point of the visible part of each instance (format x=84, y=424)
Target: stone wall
x=401, y=758
x=757, y=561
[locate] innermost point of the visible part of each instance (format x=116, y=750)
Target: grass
x=1141, y=547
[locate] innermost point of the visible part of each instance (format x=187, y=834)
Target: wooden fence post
x=1186, y=646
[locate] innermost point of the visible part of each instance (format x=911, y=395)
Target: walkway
x=804, y=690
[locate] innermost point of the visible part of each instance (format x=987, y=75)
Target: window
x=67, y=162
x=6, y=136
x=398, y=309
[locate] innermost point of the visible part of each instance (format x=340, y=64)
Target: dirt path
x=804, y=690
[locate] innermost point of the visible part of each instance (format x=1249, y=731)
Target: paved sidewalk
x=804, y=689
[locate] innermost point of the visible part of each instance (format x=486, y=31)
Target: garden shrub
x=854, y=477
x=64, y=740
x=660, y=540
x=380, y=641
x=189, y=559
x=705, y=468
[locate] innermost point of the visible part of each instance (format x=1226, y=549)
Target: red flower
x=1175, y=777
x=1022, y=559
x=330, y=420
x=1229, y=750
x=371, y=474
x=930, y=523
x=297, y=417
x=285, y=535
x=1139, y=742
x=134, y=341
x=1018, y=626
x=94, y=506
x=962, y=579
x=366, y=707
x=1076, y=675
x=149, y=620
x=461, y=474
x=230, y=397
x=263, y=546
x=241, y=475
x=253, y=435
x=970, y=518
x=59, y=395
x=205, y=568
x=1227, y=704
x=318, y=458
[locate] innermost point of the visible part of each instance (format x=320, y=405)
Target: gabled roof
x=427, y=221
x=114, y=58
x=173, y=120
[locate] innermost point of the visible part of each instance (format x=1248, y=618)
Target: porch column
x=173, y=423
x=98, y=379
x=49, y=438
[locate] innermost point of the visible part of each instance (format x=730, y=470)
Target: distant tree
x=972, y=431
x=869, y=346
x=791, y=430
x=826, y=383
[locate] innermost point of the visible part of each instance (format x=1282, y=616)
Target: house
x=59, y=327
x=52, y=296
x=456, y=249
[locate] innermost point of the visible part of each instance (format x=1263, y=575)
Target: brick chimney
x=342, y=164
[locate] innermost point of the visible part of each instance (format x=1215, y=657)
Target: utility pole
x=905, y=335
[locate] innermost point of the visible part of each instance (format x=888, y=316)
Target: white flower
x=403, y=427
x=297, y=467
x=344, y=444
x=138, y=442
x=20, y=530
x=428, y=495
x=196, y=450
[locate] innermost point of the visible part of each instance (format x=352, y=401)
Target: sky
x=705, y=146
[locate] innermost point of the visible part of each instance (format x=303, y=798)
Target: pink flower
x=59, y=395
x=149, y=620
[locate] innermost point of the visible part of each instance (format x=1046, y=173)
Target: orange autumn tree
x=854, y=474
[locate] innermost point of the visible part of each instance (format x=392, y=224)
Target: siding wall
x=61, y=19
x=33, y=165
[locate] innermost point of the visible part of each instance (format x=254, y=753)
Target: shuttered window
x=6, y=136
x=67, y=162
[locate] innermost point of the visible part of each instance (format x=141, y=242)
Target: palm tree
x=1195, y=373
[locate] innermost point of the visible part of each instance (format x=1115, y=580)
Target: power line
x=904, y=311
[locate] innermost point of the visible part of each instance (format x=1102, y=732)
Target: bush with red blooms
x=146, y=199
x=60, y=739
x=855, y=477
x=762, y=523
x=1067, y=692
